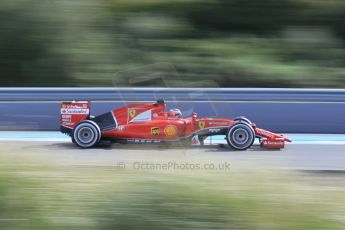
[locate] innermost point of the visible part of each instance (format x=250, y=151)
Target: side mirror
x=159, y=102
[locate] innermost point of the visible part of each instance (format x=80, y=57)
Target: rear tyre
x=86, y=134
x=240, y=136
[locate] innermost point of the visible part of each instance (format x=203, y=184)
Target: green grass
x=36, y=193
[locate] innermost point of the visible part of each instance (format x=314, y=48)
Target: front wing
x=271, y=140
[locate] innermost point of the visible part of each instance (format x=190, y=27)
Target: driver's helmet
x=176, y=112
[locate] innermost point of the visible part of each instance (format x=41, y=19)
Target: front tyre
x=86, y=134
x=240, y=136
x=243, y=120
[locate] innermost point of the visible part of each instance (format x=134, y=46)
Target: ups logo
x=202, y=124
x=155, y=131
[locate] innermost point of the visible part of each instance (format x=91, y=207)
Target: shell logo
x=170, y=130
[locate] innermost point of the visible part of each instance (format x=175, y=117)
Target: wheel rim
x=86, y=135
x=240, y=136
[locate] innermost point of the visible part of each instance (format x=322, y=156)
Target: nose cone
x=287, y=139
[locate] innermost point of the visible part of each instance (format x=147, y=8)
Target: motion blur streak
x=47, y=185
x=225, y=43
x=56, y=185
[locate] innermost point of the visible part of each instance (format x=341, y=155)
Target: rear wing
x=71, y=113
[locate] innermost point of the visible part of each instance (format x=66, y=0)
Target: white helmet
x=176, y=112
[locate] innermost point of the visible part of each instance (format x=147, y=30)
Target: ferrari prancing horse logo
x=132, y=112
x=155, y=131
x=202, y=124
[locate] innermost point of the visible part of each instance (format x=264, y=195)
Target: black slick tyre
x=86, y=134
x=243, y=120
x=240, y=136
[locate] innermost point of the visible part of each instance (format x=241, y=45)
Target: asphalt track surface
x=308, y=152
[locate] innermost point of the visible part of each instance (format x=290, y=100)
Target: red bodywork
x=151, y=123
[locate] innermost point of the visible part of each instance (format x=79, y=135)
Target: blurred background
x=62, y=188
x=224, y=43
x=175, y=43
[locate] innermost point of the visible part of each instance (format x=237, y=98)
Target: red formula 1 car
x=150, y=123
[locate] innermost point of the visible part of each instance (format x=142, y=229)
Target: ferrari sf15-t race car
x=150, y=123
